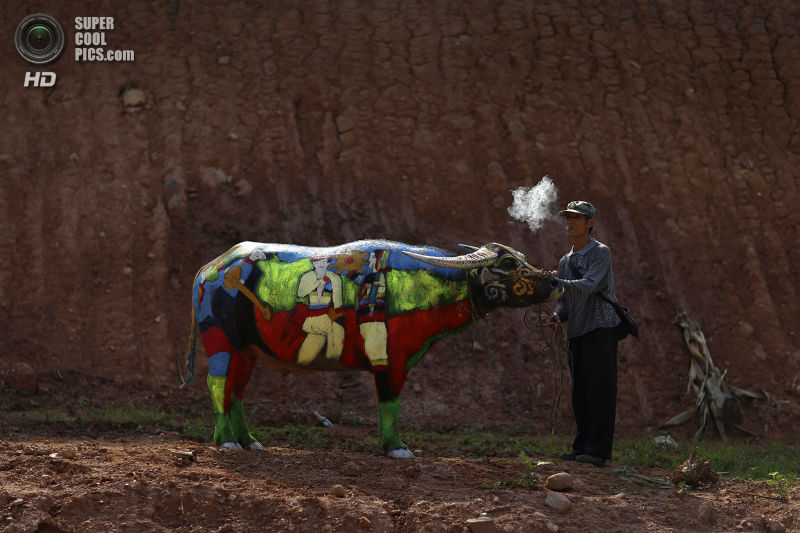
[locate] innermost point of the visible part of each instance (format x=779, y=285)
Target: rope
x=554, y=340
x=628, y=472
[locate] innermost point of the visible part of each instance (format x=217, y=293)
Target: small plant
x=783, y=485
x=528, y=479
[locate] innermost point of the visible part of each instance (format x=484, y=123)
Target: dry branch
x=716, y=401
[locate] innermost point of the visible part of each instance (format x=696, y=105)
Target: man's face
x=576, y=225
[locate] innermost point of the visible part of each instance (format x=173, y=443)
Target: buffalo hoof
x=400, y=453
x=255, y=445
x=231, y=445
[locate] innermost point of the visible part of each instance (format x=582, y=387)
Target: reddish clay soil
x=133, y=482
x=320, y=123
x=98, y=476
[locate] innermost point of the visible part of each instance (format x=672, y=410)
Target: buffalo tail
x=190, y=357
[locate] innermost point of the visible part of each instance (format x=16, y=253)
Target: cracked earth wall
x=319, y=123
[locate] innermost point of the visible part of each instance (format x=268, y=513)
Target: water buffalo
x=369, y=305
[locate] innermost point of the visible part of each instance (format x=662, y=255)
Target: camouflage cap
x=580, y=207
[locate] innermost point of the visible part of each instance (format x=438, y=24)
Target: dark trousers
x=593, y=367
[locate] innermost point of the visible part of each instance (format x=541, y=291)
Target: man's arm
x=596, y=272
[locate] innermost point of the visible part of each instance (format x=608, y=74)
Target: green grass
x=297, y=434
x=754, y=462
x=476, y=441
x=738, y=460
x=194, y=424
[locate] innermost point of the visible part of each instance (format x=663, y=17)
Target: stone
x=756, y=523
x=559, y=481
x=776, y=526
x=338, y=491
x=352, y=469
x=706, y=513
x=541, y=523
x=558, y=502
x=23, y=378
x=665, y=441
x=133, y=97
x=482, y=524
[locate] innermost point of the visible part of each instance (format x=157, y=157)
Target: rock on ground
x=482, y=524
x=559, y=481
x=557, y=501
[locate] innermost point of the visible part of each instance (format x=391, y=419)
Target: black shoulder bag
x=627, y=325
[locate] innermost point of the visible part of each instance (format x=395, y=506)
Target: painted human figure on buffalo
x=323, y=324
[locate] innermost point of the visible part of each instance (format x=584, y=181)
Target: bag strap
x=602, y=295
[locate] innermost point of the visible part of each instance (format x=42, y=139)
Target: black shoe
x=591, y=459
x=569, y=456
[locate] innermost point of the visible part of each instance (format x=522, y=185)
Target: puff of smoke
x=534, y=205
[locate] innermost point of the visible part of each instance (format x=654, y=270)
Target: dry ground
x=93, y=476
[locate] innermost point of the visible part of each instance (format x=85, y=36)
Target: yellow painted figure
x=324, y=291
x=371, y=315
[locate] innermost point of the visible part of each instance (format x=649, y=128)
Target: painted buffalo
x=369, y=305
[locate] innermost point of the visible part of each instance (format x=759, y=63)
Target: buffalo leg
x=228, y=375
x=388, y=410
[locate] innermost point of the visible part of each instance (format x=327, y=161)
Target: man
x=591, y=331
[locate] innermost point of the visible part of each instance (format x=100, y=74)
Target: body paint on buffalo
x=368, y=305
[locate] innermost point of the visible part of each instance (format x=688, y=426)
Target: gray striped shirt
x=581, y=306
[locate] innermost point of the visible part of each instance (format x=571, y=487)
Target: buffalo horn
x=480, y=257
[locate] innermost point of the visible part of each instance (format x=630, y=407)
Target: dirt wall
x=319, y=123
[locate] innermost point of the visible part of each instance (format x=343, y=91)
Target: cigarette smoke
x=534, y=205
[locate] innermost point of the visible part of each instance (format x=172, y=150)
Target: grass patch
x=527, y=479
x=477, y=441
x=740, y=460
x=755, y=462
x=643, y=452
x=194, y=424
x=298, y=434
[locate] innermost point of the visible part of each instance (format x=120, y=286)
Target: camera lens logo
x=39, y=38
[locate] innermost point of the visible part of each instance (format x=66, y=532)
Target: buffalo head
x=500, y=276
